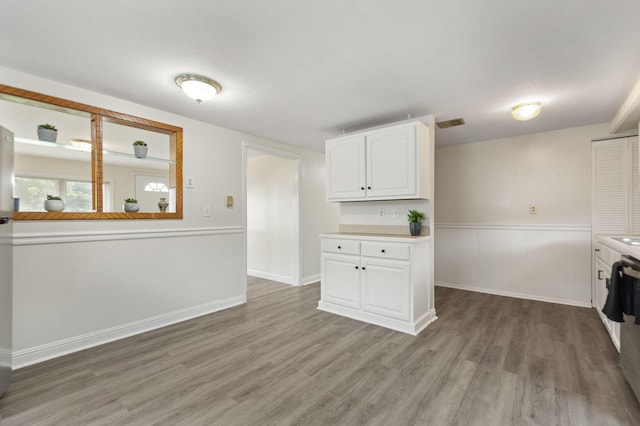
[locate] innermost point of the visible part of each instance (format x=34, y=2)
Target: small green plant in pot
x=53, y=203
x=415, y=222
x=47, y=132
x=131, y=205
x=140, y=149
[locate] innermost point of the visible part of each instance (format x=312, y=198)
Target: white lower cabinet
x=342, y=280
x=386, y=288
x=604, y=260
x=387, y=281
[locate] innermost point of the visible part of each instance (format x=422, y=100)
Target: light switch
x=206, y=210
x=229, y=200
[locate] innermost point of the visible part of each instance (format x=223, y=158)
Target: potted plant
x=47, y=132
x=415, y=222
x=53, y=203
x=131, y=205
x=140, y=149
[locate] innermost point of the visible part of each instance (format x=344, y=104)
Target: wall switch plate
x=229, y=201
x=380, y=213
x=189, y=182
x=396, y=213
x=533, y=209
x=206, y=210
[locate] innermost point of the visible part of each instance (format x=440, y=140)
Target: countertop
x=618, y=246
x=376, y=237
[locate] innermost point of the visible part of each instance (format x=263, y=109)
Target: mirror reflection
x=55, y=160
x=77, y=161
x=132, y=172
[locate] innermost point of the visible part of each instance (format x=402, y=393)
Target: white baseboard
x=514, y=294
x=310, y=279
x=268, y=276
x=52, y=350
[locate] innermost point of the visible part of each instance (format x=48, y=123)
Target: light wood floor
x=487, y=360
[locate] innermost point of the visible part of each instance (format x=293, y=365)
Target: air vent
x=451, y=123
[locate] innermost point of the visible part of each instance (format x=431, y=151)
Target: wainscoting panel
x=548, y=263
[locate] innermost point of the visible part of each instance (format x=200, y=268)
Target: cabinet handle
x=356, y=267
x=339, y=247
x=382, y=250
x=363, y=268
x=597, y=249
x=362, y=188
x=368, y=187
x=599, y=274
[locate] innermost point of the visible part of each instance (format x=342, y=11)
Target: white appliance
x=6, y=256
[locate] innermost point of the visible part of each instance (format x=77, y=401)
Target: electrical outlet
x=396, y=213
x=380, y=213
x=533, y=209
x=189, y=182
x=206, y=210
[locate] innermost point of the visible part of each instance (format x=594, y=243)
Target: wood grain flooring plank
x=277, y=360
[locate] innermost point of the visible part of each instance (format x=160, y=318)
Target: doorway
x=271, y=193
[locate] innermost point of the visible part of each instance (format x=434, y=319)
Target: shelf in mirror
x=81, y=149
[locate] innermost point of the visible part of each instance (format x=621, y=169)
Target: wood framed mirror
x=91, y=164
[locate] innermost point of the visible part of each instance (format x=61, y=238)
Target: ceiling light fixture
x=526, y=111
x=198, y=87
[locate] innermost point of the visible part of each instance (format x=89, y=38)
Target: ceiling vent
x=451, y=123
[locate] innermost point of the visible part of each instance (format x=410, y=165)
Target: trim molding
x=273, y=277
x=513, y=294
x=576, y=228
x=310, y=279
x=29, y=356
x=23, y=239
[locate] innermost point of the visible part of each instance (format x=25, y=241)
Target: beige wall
x=485, y=238
x=494, y=182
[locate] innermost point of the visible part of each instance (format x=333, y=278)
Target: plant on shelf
x=415, y=218
x=53, y=203
x=47, y=132
x=140, y=149
x=131, y=205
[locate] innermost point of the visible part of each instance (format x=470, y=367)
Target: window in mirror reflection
x=132, y=175
x=44, y=168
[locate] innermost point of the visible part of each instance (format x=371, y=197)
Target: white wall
x=81, y=283
x=485, y=238
x=271, y=218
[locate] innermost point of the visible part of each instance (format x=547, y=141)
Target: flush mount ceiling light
x=526, y=111
x=198, y=87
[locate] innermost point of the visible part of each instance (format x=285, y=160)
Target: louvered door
x=612, y=186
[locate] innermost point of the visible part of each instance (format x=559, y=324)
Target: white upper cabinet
x=383, y=164
x=346, y=173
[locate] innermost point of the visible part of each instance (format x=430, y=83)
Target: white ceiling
x=300, y=71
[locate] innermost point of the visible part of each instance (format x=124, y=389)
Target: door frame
x=296, y=279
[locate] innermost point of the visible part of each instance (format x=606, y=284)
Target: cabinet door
x=345, y=165
x=392, y=162
x=341, y=280
x=602, y=273
x=386, y=288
